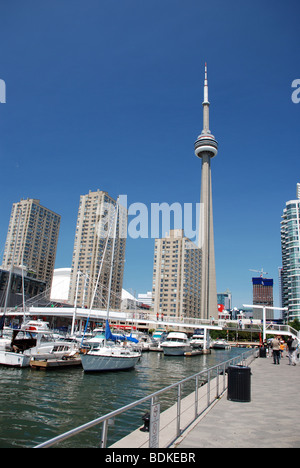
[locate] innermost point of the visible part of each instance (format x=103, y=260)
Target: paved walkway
x=270, y=419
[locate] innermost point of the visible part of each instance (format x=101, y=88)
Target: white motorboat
x=159, y=335
x=141, y=341
x=220, y=344
x=197, y=340
x=47, y=347
x=35, y=326
x=176, y=344
x=98, y=336
x=13, y=350
x=145, y=342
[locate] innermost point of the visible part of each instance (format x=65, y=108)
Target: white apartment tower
x=93, y=246
x=176, y=276
x=32, y=239
x=290, y=247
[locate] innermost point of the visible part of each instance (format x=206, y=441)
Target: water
x=38, y=405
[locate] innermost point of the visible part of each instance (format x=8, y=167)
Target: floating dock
x=54, y=363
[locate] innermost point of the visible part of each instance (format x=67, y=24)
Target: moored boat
x=176, y=344
x=13, y=351
x=110, y=357
x=47, y=347
x=220, y=344
x=198, y=339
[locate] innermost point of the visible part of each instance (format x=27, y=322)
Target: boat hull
x=220, y=345
x=175, y=350
x=197, y=344
x=12, y=359
x=102, y=363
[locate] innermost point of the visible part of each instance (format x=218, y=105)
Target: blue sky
x=108, y=94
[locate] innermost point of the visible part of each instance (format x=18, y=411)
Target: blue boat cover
x=110, y=336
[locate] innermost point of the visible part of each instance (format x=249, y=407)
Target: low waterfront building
x=20, y=281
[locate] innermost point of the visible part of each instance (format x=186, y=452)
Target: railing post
x=217, y=395
x=104, y=434
x=208, y=388
x=196, y=396
x=178, y=409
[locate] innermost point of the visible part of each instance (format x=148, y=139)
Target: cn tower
x=206, y=148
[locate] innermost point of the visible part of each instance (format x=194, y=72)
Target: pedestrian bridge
x=144, y=320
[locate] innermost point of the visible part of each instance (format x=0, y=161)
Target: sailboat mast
x=12, y=265
x=99, y=273
x=112, y=257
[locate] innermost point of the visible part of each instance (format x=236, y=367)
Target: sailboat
x=110, y=354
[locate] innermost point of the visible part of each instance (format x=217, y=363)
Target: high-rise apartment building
x=176, y=276
x=290, y=248
x=32, y=239
x=92, y=254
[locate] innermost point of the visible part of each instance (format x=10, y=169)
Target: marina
x=46, y=404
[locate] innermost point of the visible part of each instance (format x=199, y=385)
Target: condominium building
x=92, y=254
x=290, y=248
x=176, y=276
x=32, y=239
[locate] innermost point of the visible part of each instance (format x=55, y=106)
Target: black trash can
x=263, y=352
x=239, y=383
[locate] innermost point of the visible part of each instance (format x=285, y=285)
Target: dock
x=54, y=363
x=270, y=420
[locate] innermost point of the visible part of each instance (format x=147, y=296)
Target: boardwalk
x=270, y=420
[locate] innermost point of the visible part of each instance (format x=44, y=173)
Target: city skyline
x=107, y=98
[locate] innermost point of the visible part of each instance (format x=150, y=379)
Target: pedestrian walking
x=282, y=348
x=292, y=349
x=276, y=350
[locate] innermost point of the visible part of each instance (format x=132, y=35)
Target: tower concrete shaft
x=206, y=147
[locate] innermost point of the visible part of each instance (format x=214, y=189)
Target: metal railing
x=208, y=376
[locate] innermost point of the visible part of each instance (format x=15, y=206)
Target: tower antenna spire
x=205, y=86
x=205, y=104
